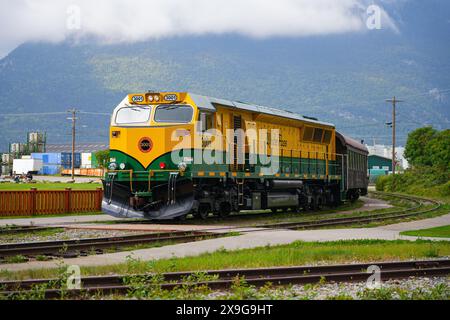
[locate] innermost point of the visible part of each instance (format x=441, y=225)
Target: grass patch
x=49, y=186
x=16, y=259
x=297, y=253
x=438, y=232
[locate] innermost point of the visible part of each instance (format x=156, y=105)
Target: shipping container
x=58, y=158
x=94, y=162
x=86, y=160
x=23, y=166
x=50, y=169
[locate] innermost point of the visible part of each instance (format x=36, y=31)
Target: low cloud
x=113, y=21
x=437, y=95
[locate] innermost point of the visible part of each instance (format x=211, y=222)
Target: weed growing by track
x=297, y=253
x=25, y=235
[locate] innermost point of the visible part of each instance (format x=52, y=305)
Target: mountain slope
x=341, y=79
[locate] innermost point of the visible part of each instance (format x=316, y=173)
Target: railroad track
x=313, y=224
x=392, y=215
x=77, y=247
x=224, y=279
x=71, y=248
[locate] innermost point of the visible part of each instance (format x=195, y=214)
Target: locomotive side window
x=327, y=137
x=174, y=113
x=133, y=115
x=318, y=135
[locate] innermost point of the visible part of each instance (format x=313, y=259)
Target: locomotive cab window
x=173, y=113
x=308, y=134
x=133, y=115
x=206, y=121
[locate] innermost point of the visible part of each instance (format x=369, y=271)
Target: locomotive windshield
x=174, y=113
x=133, y=115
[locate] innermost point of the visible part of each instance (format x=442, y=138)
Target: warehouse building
x=378, y=166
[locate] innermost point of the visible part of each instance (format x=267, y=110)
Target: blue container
x=58, y=158
x=36, y=156
x=66, y=158
x=48, y=158
x=50, y=169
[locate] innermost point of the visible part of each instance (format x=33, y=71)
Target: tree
x=439, y=150
x=102, y=157
x=416, y=146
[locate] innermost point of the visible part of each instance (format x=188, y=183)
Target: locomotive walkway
x=246, y=240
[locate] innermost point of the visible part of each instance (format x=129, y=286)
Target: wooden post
x=68, y=199
x=33, y=201
x=99, y=198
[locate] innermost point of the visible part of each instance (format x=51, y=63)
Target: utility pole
x=73, y=111
x=394, y=101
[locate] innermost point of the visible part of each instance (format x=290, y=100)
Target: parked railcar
x=355, y=157
x=175, y=153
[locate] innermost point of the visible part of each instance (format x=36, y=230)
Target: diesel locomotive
x=179, y=153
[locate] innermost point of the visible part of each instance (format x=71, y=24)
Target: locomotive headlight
x=150, y=98
x=182, y=166
x=156, y=98
x=122, y=166
x=112, y=166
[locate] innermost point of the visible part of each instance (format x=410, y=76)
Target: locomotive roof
x=207, y=103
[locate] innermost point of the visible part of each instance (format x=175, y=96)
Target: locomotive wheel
x=296, y=209
x=319, y=205
x=203, y=212
x=225, y=210
x=316, y=204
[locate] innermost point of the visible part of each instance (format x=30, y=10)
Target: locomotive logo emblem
x=145, y=144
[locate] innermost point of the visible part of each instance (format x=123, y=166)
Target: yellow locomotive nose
x=143, y=145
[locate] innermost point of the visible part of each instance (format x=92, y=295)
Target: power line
x=31, y=114
x=95, y=113
x=24, y=114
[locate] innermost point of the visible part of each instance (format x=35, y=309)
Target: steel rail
x=224, y=279
x=408, y=212
x=68, y=247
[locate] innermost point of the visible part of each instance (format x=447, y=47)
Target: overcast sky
x=113, y=21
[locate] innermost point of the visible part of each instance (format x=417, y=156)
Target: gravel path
x=411, y=288
x=60, y=234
